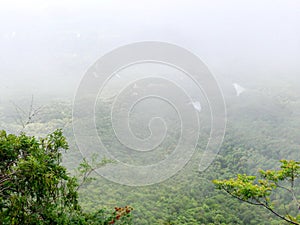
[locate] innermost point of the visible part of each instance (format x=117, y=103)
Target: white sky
x=44, y=41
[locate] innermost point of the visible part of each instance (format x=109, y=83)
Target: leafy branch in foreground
x=258, y=192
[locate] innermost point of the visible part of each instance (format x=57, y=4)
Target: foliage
x=36, y=189
x=258, y=191
x=260, y=131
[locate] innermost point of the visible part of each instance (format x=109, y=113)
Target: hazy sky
x=46, y=45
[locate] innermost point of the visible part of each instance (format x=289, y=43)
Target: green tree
x=259, y=191
x=36, y=189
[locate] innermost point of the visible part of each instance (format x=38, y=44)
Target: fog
x=46, y=47
x=175, y=93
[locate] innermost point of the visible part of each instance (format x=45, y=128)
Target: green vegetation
x=259, y=191
x=262, y=129
x=36, y=189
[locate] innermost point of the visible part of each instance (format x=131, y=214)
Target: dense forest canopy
x=256, y=138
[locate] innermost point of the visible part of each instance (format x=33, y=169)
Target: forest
x=149, y=112
x=263, y=128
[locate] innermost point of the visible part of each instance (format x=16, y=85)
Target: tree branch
x=292, y=193
x=263, y=205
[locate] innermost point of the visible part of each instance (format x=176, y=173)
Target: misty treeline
x=262, y=129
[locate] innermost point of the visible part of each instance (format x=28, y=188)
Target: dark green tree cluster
x=36, y=189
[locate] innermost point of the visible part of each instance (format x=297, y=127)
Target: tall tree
x=34, y=186
x=36, y=189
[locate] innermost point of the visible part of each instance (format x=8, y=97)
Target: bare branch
x=292, y=193
x=25, y=118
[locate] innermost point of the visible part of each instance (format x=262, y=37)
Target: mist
x=221, y=98
x=47, y=47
